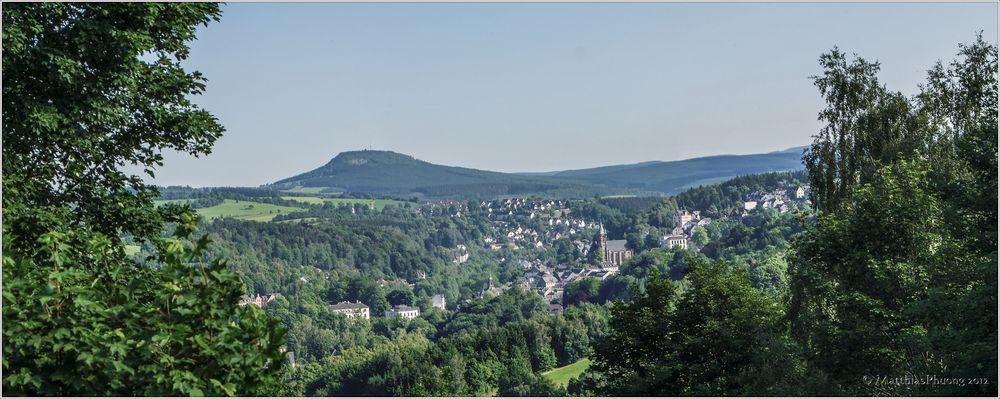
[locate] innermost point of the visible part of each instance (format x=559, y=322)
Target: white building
x=406, y=312
x=351, y=310
x=675, y=241
x=438, y=301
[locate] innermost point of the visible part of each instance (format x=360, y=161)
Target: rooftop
x=348, y=305
x=616, y=245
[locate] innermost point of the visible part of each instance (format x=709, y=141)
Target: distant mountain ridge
x=671, y=177
x=387, y=172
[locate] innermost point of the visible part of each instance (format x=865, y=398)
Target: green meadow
x=561, y=376
x=379, y=203
x=244, y=210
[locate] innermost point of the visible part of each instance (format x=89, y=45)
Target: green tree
x=580, y=290
x=888, y=279
x=720, y=336
x=88, y=88
x=400, y=297
x=699, y=236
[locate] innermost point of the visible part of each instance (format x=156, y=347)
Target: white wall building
x=406, y=312
x=351, y=310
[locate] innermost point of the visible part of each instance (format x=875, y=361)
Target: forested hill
x=672, y=177
x=387, y=172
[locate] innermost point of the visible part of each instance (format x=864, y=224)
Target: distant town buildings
x=406, y=312
x=351, y=309
x=683, y=217
x=257, y=300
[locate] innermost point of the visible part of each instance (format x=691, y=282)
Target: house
x=406, y=312
x=675, y=241
x=257, y=300
x=438, y=301
x=749, y=205
x=600, y=274
x=682, y=217
x=351, y=310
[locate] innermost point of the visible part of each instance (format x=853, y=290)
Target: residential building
x=682, y=217
x=257, y=300
x=406, y=312
x=351, y=309
x=675, y=241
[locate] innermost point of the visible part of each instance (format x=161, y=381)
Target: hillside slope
x=387, y=172
x=671, y=177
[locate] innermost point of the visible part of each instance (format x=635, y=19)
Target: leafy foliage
x=88, y=88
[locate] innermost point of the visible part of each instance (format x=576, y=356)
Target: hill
x=672, y=177
x=387, y=172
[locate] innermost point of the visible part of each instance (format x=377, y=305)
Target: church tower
x=604, y=242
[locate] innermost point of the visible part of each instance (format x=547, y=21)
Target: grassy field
x=244, y=210
x=379, y=203
x=562, y=375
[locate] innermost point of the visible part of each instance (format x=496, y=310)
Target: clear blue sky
x=537, y=87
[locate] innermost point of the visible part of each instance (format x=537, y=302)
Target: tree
x=400, y=297
x=699, y=236
x=720, y=336
x=88, y=88
x=585, y=289
x=886, y=280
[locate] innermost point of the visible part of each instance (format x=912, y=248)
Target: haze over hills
x=671, y=177
x=387, y=172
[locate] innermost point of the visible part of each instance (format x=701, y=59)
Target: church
x=615, y=252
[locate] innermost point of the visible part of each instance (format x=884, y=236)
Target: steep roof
x=616, y=245
x=348, y=306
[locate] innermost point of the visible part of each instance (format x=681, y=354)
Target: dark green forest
x=887, y=272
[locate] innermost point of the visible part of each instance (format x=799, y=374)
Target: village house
x=406, y=312
x=257, y=300
x=682, y=217
x=351, y=309
x=675, y=241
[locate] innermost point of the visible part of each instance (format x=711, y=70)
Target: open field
x=379, y=203
x=244, y=210
x=561, y=376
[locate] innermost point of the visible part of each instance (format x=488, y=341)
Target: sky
x=537, y=87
